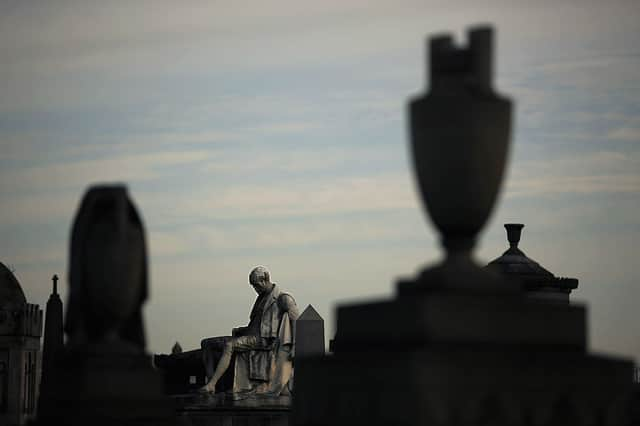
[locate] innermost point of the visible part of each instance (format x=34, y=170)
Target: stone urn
x=460, y=131
x=460, y=344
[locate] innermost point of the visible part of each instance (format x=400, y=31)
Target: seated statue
x=264, y=349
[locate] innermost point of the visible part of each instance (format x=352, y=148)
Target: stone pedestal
x=226, y=409
x=436, y=359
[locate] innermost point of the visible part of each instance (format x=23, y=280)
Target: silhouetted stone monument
x=53, y=332
x=538, y=282
x=460, y=345
x=20, y=331
x=104, y=376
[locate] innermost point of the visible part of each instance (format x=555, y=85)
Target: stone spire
x=52, y=328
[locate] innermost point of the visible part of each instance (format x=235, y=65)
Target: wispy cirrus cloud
x=598, y=172
x=310, y=232
x=627, y=132
x=74, y=174
x=283, y=199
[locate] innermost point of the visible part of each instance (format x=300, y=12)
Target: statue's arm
x=288, y=304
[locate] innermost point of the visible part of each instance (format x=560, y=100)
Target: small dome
x=515, y=264
x=10, y=291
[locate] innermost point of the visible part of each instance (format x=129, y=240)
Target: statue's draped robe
x=273, y=318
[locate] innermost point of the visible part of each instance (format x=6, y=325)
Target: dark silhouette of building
x=20, y=331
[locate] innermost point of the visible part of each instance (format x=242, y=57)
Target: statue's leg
x=212, y=349
x=243, y=343
x=223, y=364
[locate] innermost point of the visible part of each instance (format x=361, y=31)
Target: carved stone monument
x=459, y=344
x=104, y=376
x=255, y=361
x=263, y=349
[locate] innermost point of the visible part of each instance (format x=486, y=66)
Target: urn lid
x=515, y=264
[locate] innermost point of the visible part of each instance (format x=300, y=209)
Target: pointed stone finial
x=55, y=283
x=176, y=349
x=513, y=233
x=310, y=314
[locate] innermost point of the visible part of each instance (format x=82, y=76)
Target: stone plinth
x=437, y=371
x=462, y=386
x=224, y=409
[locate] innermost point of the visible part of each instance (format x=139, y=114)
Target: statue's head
x=260, y=279
x=107, y=270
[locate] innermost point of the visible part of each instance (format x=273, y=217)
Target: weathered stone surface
x=263, y=349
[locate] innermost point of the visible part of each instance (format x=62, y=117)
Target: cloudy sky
x=275, y=133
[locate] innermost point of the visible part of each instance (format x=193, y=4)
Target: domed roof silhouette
x=515, y=264
x=10, y=290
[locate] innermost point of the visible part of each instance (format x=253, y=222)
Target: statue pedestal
x=225, y=409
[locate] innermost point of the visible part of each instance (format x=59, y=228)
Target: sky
x=275, y=133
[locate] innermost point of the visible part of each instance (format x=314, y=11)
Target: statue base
x=228, y=409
